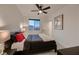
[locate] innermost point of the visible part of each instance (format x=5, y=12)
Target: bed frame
x=39, y=46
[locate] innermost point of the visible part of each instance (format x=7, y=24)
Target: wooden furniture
x=39, y=46
x=69, y=51
x=31, y=48
x=34, y=43
x=10, y=52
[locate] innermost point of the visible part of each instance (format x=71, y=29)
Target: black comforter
x=34, y=44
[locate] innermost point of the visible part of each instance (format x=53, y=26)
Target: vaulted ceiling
x=25, y=9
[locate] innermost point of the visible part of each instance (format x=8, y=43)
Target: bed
x=34, y=44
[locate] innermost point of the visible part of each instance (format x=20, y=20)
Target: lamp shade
x=4, y=35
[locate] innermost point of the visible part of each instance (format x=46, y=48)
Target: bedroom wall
x=69, y=36
x=25, y=10
x=10, y=17
x=44, y=25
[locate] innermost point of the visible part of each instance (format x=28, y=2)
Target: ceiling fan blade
x=34, y=10
x=38, y=13
x=44, y=12
x=46, y=8
x=41, y=5
x=38, y=6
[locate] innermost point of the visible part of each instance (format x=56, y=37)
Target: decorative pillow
x=20, y=37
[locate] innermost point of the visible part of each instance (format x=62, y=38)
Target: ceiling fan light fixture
x=40, y=11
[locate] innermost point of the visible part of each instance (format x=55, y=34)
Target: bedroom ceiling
x=25, y=9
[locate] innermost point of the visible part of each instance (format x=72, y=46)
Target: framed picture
x=58, y=22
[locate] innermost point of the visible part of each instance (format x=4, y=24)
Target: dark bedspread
x=34, y=44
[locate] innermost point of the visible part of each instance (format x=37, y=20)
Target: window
x=34, y=24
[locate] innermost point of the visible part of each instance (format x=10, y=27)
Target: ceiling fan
x=41, y=9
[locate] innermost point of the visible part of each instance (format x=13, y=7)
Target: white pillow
x=18, y=45
x=44, y=37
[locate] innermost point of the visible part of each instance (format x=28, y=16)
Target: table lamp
x=4, y=36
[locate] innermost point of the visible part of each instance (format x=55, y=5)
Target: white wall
x=68, y=37
x=45, y=25
x=10, y=17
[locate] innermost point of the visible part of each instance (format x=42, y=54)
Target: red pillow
x=20, y=37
